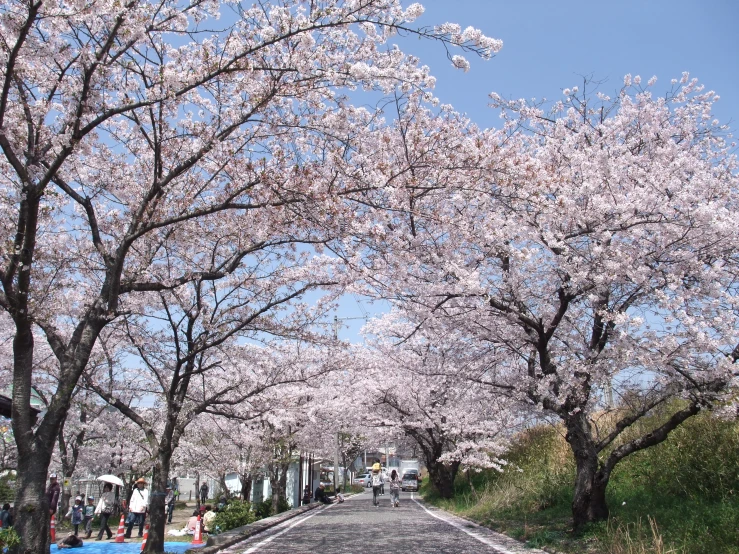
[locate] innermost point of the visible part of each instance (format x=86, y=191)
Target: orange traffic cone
x=198, y=536
x=53, y=528
x=119, y=536
x=146, y=536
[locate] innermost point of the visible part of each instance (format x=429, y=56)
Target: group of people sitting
x=207, y=514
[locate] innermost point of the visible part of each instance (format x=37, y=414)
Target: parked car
x=415, y=472
x=410, y=482
x=364, y=479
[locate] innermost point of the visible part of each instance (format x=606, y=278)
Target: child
x=339, y=496
x=89, y=514
x=76, y=512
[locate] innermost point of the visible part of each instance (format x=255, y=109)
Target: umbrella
x=111, y=479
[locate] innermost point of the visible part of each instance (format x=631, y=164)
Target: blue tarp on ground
x=94, y=547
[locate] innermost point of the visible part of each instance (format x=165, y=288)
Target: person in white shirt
x=137, y=507
x=105, y=509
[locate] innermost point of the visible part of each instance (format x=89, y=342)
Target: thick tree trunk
x=224, y=486
x=69, y=463
x=35, y=447
x=66, y=494
x=589, y=502
x=157, y=505
x=246, y=487
x=442, y=476
x=32, y=516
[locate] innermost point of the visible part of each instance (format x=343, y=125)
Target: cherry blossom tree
x=192, y=363
x=123, y=124
x=221, y=446
x=584, y=249
x=416, y=387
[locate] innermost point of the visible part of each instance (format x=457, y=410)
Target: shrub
x=235, y=514
x=678, y=497
x=9, y=538
x=282, y=505
x=264, y=509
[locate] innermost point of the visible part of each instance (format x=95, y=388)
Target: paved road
x=357, y=526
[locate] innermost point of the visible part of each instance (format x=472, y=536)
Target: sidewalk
x=179, y=520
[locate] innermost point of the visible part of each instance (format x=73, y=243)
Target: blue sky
x=549, y=46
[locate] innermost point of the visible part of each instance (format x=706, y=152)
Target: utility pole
x=336, y=462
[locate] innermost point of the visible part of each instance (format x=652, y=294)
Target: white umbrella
x=111, y=479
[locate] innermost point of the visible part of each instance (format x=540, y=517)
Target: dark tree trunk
x=278, y=483
x=66, y=495
x=224, y=486
x=246, y=487
x=589, y=502
x=283, y=480
x=32, y=517
x=442, y=476
x=69, y=455
x=35, y=447
x=157, y=505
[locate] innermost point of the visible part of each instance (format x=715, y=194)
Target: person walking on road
x=376, y=484
x=395, y=483
x=52, y=494
x=104, y=509
x=203, y=492
x=137, y=508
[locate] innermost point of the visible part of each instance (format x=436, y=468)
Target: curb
x=226, y=539
x=478, y=524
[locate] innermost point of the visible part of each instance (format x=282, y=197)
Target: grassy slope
x=678, y=497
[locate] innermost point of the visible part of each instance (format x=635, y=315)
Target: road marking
x=286, y=529
x=462, y=528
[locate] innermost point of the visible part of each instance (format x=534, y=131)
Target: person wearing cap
x=89, y=515
x=76, y=514
x=52, y=494
x=138, y=506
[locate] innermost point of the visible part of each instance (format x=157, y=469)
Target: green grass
x=679, y=497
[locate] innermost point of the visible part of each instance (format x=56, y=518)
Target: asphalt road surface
x=357, y=526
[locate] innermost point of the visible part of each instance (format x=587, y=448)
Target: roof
x=6, y=405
